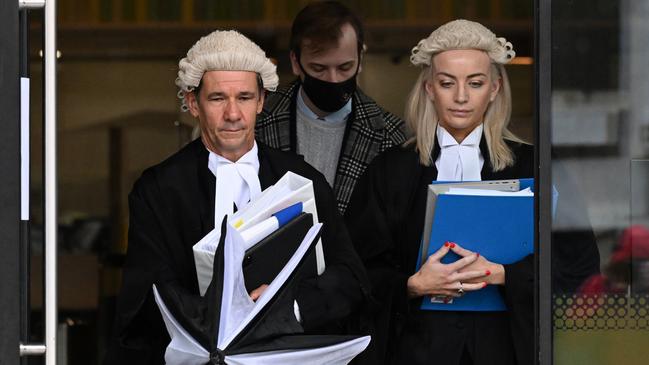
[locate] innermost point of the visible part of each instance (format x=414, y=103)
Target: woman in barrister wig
x=458, y=111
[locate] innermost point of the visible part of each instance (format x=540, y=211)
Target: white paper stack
x=288, y=190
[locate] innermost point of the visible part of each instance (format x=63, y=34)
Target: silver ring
x=460, y=291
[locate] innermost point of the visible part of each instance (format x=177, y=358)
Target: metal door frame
x=10, y=182
x=543, y=181
x=12, y=215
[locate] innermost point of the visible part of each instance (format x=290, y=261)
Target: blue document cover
x=501, y=228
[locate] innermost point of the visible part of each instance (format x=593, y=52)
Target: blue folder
x=499, y=228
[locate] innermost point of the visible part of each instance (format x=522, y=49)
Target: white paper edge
x=173, y=326
x=338, y=354
x=236, y=304
x=275, y=285
x=486, y=192
x=204, y=258
x=24, y=148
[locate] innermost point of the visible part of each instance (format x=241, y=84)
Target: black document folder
x=263, y=261
x=209, y=329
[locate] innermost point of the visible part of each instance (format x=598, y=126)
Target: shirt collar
x=337, y=116
x=445, y=139
x=251, y=157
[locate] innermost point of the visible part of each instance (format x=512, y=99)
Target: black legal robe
x=172, y=207
x=385, y=220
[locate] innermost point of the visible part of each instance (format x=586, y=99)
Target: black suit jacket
x=172, y=208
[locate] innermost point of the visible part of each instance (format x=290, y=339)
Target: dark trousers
x=455, y=338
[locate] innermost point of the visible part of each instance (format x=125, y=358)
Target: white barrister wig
x=462, y=34
x=224, y=50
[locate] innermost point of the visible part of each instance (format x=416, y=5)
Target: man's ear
x=260, y=102
x=295, y=66
x=360, y=58
x=192, y=103
x=360, y=63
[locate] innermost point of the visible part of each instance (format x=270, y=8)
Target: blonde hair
x=420, y=113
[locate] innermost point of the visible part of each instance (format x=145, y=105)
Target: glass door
x=598, y=111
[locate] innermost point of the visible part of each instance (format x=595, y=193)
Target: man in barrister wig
x=174, y=204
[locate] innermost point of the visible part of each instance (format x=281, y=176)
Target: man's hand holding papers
x=255, y=294
x=226, y=327
x=256, y=221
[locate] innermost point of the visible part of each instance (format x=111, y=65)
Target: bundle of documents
x=492, y=218
x=259, y=218
x=226, y=327
x=263, y=261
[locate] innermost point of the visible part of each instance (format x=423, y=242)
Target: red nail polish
x=477, y=254
x=488, y=273
x=452, y=245
x=445, y=244
x=484, y=285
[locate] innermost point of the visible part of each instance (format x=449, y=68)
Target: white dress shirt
x=236, y=182
x=459, y=161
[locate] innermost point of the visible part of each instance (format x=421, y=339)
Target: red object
x=596, y=284
x=633, y=244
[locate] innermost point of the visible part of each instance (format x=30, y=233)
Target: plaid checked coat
x=370, y=130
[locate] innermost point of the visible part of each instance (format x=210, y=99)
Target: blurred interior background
x=118, y=114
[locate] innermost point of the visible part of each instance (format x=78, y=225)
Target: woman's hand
x=435, y=278
x=494, y=273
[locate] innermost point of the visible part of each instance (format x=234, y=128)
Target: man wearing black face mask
x=323, y=115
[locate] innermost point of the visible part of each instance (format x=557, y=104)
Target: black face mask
x=328, y=96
